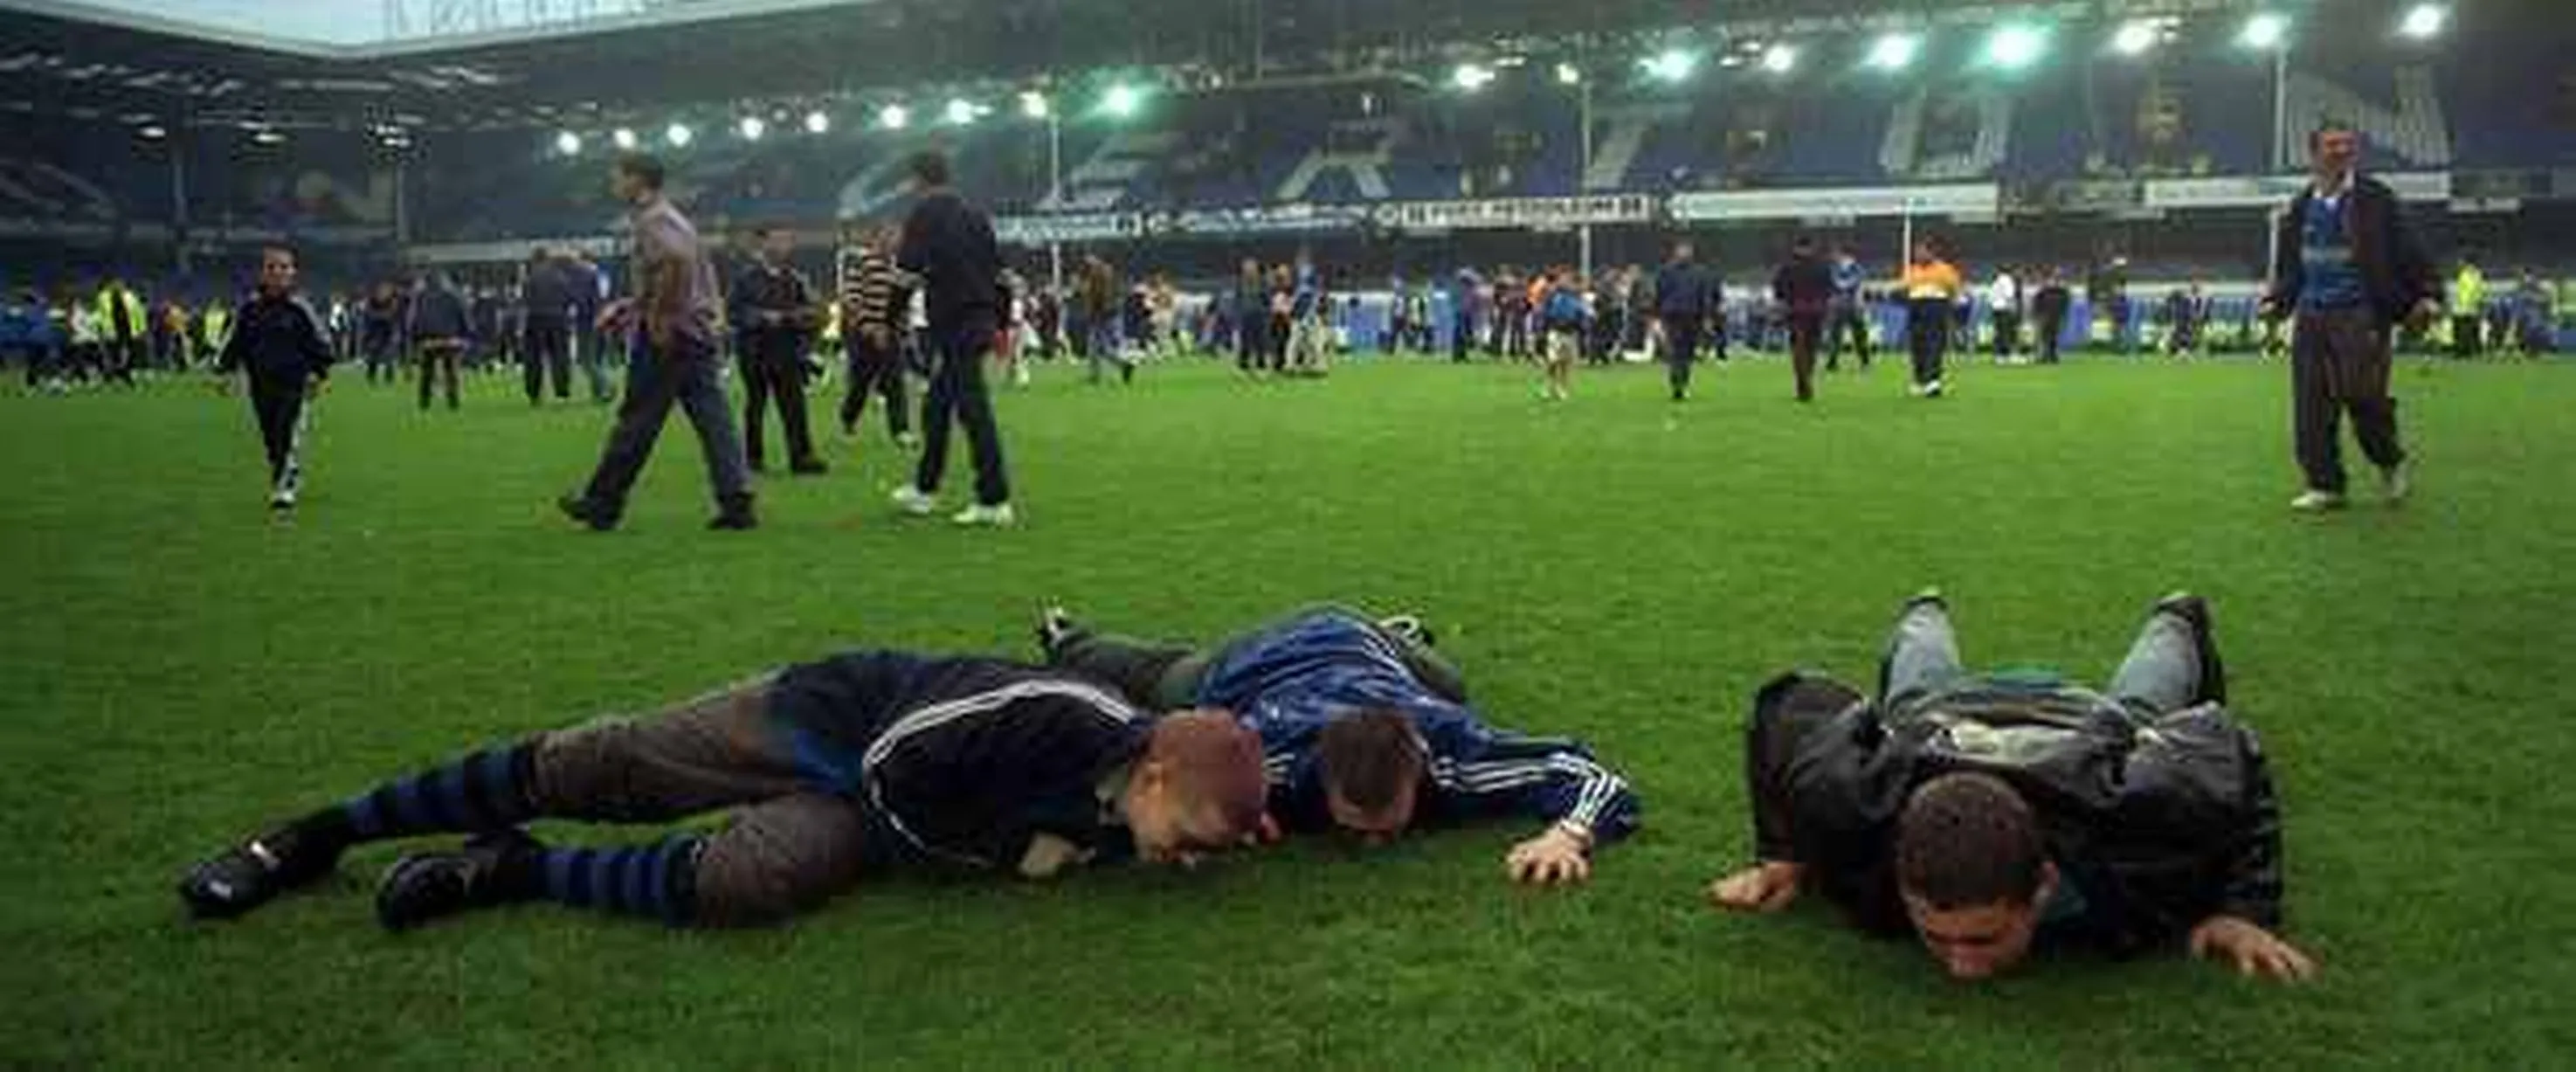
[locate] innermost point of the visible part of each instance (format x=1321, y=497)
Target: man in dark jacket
x=834, y=770
x=1806, y=289
x=2048, y=314
x=777, y=313
x=1686, y=297
x=1991, y=813
x=547, y=300
x=279, y=342
x=2345, y=263
x=441, y=327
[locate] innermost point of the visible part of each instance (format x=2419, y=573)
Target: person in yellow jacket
x=2468, y=305
x=1930, y=285
x=214, y=327
x=125, y=328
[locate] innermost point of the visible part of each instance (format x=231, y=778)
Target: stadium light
x=268, y=136
x=752, y=127
x=894, y=117
x=624, y=138
x=1894, y=52
x=1670, y=65
x=152, y=132
x=568, y=143
x=817, y=122
x=961, y=111
x=2014, y=46
x=1471, y=77
x=1779, y=59
x=1122, y=100
x=679, y=135
x=2265, y=32
x=2424, y=22
x=2135, y=37
x=1568, y=74
x=1034, y=105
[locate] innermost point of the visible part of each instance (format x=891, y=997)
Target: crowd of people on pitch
x=1986, y=815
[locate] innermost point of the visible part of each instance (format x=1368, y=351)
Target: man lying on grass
x=1991, y=813
x=834, y=770
x=1365, y=728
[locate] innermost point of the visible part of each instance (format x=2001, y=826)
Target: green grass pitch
x=180, y=670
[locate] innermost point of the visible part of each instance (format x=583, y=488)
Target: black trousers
x=549, y=351
x=1681, y=351
x=438, y=357
x=2339, y=363
x=876, y=370
x=278, y=405
x=2007, y=333
x=117, y=358
x=957, y=393
x=2464, y=337
x=773, y=370
x=1806, y=329
x=1927, y=331
x=1251, y=342
x=1844, y=320
x=2051, y=325
x=1462, y=333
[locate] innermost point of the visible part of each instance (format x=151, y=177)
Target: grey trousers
x=2160, y=675
x=783, y=849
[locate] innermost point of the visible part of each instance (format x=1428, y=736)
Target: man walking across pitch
x=278, y=342
x=833, y=772
x=1849, y=315
x=1988, y=815
x=1686, y=295
x=949, y=249
x=1807, y=289
x=2350, y=270
x=672, y=323
x=872, y=296
x=777, y=313
x=2003, y=311
x=1931, y=285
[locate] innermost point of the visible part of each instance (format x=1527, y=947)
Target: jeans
x=683, y=375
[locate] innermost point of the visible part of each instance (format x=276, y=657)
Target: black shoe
x=590, y=516
x=2194, y=611
x=735, y=515
x=809, y=467
x=248, y=875
x=425, y=886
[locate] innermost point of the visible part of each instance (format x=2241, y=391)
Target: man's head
x=635, y=178
x=1372, y=766
x=276, y=270
x=540, y=255
x=776, y=244
x=1973, y=872
x=1197, y=789
x=928, y=169
x=1683, y=251
x=1925, y=252
x=2334, y=148
x=1803, y=247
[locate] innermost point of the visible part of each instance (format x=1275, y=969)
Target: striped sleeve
x=1552, y=779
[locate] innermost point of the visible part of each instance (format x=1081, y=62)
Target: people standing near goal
x=279, y=345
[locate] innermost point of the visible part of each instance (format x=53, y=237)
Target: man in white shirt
x=2003, y=306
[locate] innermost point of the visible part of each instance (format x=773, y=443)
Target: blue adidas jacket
x=1289, y=682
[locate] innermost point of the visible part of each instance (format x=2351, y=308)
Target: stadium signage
x=2266, y=191
x=1977, y=200
x=1516, y=213
x=1069, y=227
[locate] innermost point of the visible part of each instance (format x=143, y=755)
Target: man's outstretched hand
x=1765, y=887
x=2252, y=949
x=1555, y=857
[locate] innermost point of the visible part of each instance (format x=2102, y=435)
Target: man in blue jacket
x=1364, y=728
x=1686, y=301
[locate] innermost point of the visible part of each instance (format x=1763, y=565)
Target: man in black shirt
x=441, y=327
x=1804, y=287
x=775, y=311
x=2048, y=313
x=278, y=341
x=833, y=770
x=1686, y=300
x=949, y=251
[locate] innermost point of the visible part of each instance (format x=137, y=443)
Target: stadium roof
x=87, y=61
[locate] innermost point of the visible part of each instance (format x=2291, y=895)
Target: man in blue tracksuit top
x=1365, y=728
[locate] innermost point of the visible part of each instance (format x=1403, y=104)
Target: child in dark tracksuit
x=279, y=341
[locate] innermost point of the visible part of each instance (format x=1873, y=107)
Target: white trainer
x=979, y=516
x=2397, y=482
x=914, y=502
x=2313, y=501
